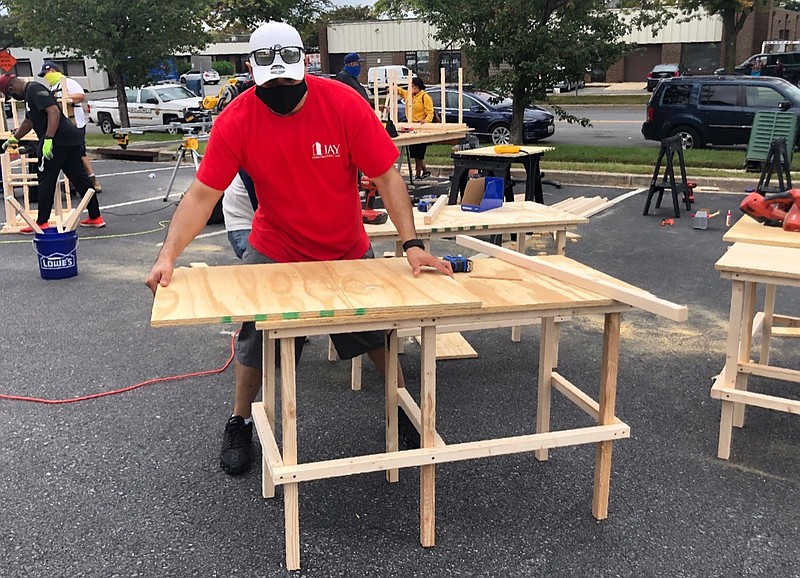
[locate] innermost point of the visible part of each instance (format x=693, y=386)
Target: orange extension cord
x=124, y=389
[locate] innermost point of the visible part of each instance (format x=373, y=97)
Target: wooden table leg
x=561, y=242
x=392, y=445
x=766, y=325
x=427, y=474
x=547, y=361
x=289, y=433
x=516, y=331
x=608, y=395
x=745, y=348
x=729, y=372
x=268, y=395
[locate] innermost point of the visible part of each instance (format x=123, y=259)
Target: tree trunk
x=518, y=113
x=122, y=100
x=729, y=38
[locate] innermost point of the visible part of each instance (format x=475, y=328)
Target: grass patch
x=566, y=99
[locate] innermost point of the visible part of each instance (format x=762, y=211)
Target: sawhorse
x=777, y=162
x=670, y=146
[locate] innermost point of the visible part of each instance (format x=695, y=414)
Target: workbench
x=515, y=217
x=428, y=133
x=499, y=164
x=289, y=300
x=747, y=264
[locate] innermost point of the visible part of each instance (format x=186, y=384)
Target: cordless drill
x=370, y=216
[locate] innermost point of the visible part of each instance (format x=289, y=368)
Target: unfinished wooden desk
x=289, y=300
x=747, y=265
x=499, y=164
x=518, y=217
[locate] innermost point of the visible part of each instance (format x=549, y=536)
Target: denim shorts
x=249, y=345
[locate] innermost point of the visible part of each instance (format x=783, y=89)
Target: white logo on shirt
x=324, y=151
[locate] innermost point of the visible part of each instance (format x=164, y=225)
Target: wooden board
x=489, y=152
x=748, y=259
x=748, y=230
x=519, y=216
x=321, y=291
x=430, y=133
x=452, y=346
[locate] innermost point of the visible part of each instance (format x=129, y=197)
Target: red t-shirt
x=304, y=167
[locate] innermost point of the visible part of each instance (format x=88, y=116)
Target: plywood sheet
x=505, y=287
x=489, y=152
x=748, y=230
x=518, y=216
x=372, y=288
x=746, y=258
x=452, y=346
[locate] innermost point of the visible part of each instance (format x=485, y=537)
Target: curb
x=730, y=185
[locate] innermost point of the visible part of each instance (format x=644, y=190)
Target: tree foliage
x=126, y=38
x=529, y=45
x=251, y=13
x=734, y=13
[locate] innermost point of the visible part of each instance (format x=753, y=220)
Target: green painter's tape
x=326, y=313
x=261, y=317
x=360, y=311
x=290, y=315
x=227, y=319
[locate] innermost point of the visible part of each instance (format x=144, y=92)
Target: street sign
x=7, y=61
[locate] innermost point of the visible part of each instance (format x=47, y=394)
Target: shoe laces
x=235, y=436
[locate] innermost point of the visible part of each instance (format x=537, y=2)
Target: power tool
x=370, y=216
x=775, y=210
x=459, y=263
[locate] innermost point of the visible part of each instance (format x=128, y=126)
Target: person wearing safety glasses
x=302, y=139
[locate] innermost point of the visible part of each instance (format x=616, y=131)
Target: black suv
x=791, y=65
x=715, y=109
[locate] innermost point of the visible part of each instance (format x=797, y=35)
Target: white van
x=380, y=75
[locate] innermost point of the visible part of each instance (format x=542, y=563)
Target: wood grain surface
x=748, y=230
x=746, y=258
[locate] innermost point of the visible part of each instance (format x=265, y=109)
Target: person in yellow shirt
x=421, y=112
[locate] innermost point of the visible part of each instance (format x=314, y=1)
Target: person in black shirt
x=61, y=147
x=349, y=74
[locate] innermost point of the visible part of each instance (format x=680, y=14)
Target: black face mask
x=283, y=98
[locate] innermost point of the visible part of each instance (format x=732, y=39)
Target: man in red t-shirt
x=302, y=139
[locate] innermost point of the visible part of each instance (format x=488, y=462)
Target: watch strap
x=413, y=243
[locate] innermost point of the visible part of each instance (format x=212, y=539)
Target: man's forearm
x=395, y=198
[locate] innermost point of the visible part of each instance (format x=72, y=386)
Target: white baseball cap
x=267, y=55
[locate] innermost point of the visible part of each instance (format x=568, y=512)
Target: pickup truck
x=159, y=104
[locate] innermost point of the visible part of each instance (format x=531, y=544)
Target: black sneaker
x=406, y=430
x=237, y=444
x=425, y=175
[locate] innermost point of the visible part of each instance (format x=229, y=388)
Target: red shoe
x=29, y=230
x=96, y=223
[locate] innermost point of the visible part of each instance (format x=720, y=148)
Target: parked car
x=160, y=104
x=661, y=71
x=489, y=115
x=791, y=65
x=208, y=76
x=715, y=109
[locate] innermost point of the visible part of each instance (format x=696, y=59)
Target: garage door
x=638, y=64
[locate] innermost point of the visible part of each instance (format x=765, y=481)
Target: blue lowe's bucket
x=57, y=253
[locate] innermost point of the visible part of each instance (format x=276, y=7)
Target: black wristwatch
x=413, y=243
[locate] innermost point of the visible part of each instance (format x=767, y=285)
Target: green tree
x=734, y=13
x=251, y=13
x=529, y=45
x=126, y=38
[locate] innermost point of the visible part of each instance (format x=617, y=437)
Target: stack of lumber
x=583, y=206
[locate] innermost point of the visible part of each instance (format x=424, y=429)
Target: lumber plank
x=72, y=223
x=435, y=209
x=569, y=271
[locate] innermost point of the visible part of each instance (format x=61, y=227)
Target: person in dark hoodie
x=349, y=74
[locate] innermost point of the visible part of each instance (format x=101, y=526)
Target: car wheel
x=689, y=136
x=106, y=124
x=183, y=80
x=500, y=134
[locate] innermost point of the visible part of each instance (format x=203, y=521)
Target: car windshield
x=493, y=99
x=174, y=93
x=793, y=91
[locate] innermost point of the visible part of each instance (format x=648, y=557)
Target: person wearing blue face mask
x=349, y=74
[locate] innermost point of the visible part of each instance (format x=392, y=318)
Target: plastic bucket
x=57, y=253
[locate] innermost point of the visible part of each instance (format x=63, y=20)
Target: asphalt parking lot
x=128, y=484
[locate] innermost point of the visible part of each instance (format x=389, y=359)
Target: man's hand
x=10, y=142
x=419, y=258
x=160, y=274
x=47, y=148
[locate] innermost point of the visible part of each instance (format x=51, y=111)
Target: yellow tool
x=506, y=149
